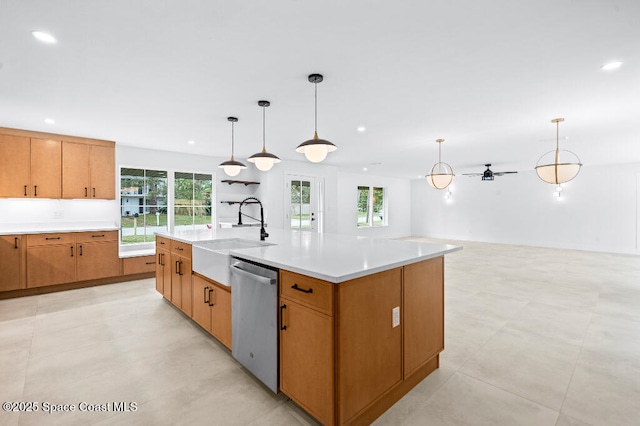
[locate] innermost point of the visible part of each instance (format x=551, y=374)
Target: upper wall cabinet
x=88, y=171
x=29, y=167
x=45, y=165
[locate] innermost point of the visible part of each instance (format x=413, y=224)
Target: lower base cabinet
x=12, y=262
x=212, y=308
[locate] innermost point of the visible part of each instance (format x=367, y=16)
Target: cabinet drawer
x=138, y=265
x=311, y=292
x=50, y=239
x=163, y=242
x=181, y=249
x=96, y=236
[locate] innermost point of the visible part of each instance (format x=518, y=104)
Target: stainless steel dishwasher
x=254, y=319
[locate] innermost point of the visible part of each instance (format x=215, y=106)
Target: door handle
x=94, y=193
x=312, y=218
x=15, y=242
x=205, y=295
x=211, y=290
x=282, y=326
x=86, y=193
x=295, y=287
x=35, y=190
x=177, y=267
x=71, y=251
x=80, y=249
x=25, y=190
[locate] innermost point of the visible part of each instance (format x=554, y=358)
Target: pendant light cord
x=263, y=129
x=316, y=109
x=232, y=150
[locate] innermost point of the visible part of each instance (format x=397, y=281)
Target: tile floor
x=534, y=336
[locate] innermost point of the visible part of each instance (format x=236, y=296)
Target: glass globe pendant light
x=559, y=166
x=263, y=160
x=441, y=174
x=232, y=167
x=316, y=149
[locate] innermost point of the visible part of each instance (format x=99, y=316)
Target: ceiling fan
x=488, y=174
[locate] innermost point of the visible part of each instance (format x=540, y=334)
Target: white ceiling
x=486, y=76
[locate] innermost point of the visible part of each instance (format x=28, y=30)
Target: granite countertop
x=330, y=257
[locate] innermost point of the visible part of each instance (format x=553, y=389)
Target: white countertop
x=330, y=257
x=48, y=228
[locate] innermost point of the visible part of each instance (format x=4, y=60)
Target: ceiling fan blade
x=502, y=173
x=472, y=174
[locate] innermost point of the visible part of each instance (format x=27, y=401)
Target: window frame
x=371, y=223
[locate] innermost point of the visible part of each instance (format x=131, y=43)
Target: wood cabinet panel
x=138, y=265
x=311, y=292
x=181, y=249
x=307, y=359
x=163, y=243
x=163, y=272
x=369, y=346
x=75, y=170
x=50, y=264
x=51, y=239
x=423, y=312
x=176, y=286
x=97, y=260
x=12, y=262
x=220, y=301
x=14, y=166
x=102, y=169
x=186, y=286
x=200, y=302
x=46, y=169
x=96, y=236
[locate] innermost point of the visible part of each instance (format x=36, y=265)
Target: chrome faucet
x=263, y=233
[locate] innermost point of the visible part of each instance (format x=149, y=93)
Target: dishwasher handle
x=259, y=278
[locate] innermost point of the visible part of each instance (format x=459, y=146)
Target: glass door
x=301, y=210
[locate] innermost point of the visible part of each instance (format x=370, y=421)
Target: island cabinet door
x=423, y=312
x=202, y=290
x=307, y=359
x=369, y=336
x=220, y=302
x=177, y=270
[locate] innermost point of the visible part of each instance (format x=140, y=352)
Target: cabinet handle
x=86, y=194
x=150, y=263
x=162, y=263
x=211, y=290
x=52, y=238
x=15, y=242
x=179, y=248
x=177, y=267
x=282, y=326
x=25, y=190
x=98, y=236
x=94, y=193
x=295, y=287
x=35, y=190
x=160, y=259
x=71, y=251
x=80, y=249
x=204, y=296
x=161, y=243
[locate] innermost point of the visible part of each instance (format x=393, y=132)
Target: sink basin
x=212, y=258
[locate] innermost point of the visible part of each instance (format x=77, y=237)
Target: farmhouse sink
x=212, y=258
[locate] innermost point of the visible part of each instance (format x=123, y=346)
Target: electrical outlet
x=395, y=317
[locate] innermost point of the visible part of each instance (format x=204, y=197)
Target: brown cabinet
x=51, y=259
x=138, y=265
x=29, y=167
x=163, y=267
x=88, y=171
x=181, y=282
x=362, y=343
x=211, y=308
x=97, y=255
x=67, y=257
x=12, y=262
x=307, y=343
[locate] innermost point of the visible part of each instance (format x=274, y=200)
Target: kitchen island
x=361, y=320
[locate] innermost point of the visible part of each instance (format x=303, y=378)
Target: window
x=371, y=206
x=143, y=204
x=192, y=201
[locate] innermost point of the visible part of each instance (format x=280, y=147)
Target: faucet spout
x=263, y=232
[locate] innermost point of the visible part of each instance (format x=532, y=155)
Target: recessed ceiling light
x=364, y=169
x=361, y=129
x=191, y=142
x=50, y=121
x=44, y=37
x=611, y=65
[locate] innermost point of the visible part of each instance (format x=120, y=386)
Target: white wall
x=398, y=193
x=597, y=210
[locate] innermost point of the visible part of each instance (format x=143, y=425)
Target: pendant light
x=232, y=167
x=559, y=166
x=316, y=149
x=441, y=174
x=263, y=160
